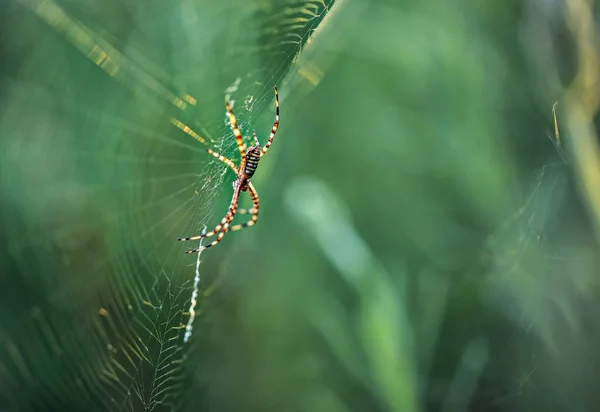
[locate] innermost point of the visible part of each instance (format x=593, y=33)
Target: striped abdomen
x=252, y=158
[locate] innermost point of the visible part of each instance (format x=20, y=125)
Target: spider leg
x=255, y=138
x=224, y=160
x=275, y=125
x=253, y=211
x=214, y=242
x=224, y=222
x=238, y=135
x=188, y=130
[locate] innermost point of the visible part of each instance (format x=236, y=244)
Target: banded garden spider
x=248, y=164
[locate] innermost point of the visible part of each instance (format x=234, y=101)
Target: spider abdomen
x=252, y=158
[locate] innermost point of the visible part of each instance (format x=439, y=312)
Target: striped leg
x=214, y=242
x=223, y=159
x=275, y=125
x=224, y=222
x=238, y=135
x=255, y=138
x=253, y=211
x=188, y=130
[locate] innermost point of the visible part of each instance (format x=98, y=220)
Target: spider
x=248, y=163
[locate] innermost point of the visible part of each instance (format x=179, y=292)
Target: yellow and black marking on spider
x=248, y=163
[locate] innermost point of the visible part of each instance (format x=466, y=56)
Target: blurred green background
x=426, y=239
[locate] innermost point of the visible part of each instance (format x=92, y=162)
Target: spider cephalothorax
x=248, y=163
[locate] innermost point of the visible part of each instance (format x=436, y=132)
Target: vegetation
x=427, y=236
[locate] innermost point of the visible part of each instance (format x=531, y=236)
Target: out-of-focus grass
x=437, y=254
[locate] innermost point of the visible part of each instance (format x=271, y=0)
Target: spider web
x=98, y=179
x=539, y=277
